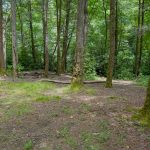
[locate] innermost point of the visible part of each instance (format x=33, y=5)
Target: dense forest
x=104, y=43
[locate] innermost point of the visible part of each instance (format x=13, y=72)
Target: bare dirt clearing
x=95, y=118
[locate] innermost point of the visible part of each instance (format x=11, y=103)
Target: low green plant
x=28, y=145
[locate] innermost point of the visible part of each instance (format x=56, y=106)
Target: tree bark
x=81, y=35
x=45, y=34
x=139, y=41
x=112, y=43
x=58, y=11
x=2, y=57
x=14, y=41
x=65, y=37
x=31, y=32
x=106, y=26
x=146, y=108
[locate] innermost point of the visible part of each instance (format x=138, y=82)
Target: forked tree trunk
x=2, y=57
x=14, y=41
x=45, y=34
x=81, y=35
x=112, y=43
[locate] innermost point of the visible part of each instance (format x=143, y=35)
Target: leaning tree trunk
x=112, y=43
x=81, y=34
x=139, y=41
x=65, y=38
x=45, y=34
x=14, y=41
x=2, y=57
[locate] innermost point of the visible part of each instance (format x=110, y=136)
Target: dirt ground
x=93, y=119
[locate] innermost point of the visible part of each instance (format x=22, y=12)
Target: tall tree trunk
x=14, y=41
x=45, y=34
x=21, y=26
x=58, y=11
x=146, y=108
x=65, y=37
x=139, y=41
x=81, y=35
x=106, y=26
x=31, y=32
x=112, y=43
x=2, y=59
x=116, y=38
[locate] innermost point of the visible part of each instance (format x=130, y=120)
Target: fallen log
x=69, y=82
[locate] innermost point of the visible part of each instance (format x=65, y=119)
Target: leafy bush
x=125, y=62
x=89, y=67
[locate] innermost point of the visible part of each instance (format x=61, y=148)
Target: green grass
x=96, y=141
x=28, y=145
x=17, y=97
x=47, y=98
x=18, y=110
x=67, y=110
x=79, y=89
x=85, y=107
x=22, y=91
x=68, y=139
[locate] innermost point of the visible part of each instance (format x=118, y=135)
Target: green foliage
x=142, y=80
x=124, y=68
x=28, y=145
x=89, y=67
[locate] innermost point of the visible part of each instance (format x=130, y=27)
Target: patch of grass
x=103, y=136
x=18, y=110
x=88, y=140
x=28, y=145
x=85, y=107
x=47, y=98
x=142, y=118
x=120, y=138
x=22, y=91
x=104, y=133
x=68, y=139
x=42, y=99
x=67, y=110
x=79, y=88
x=90, y=91
x=63, y=132
x=71, y=142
